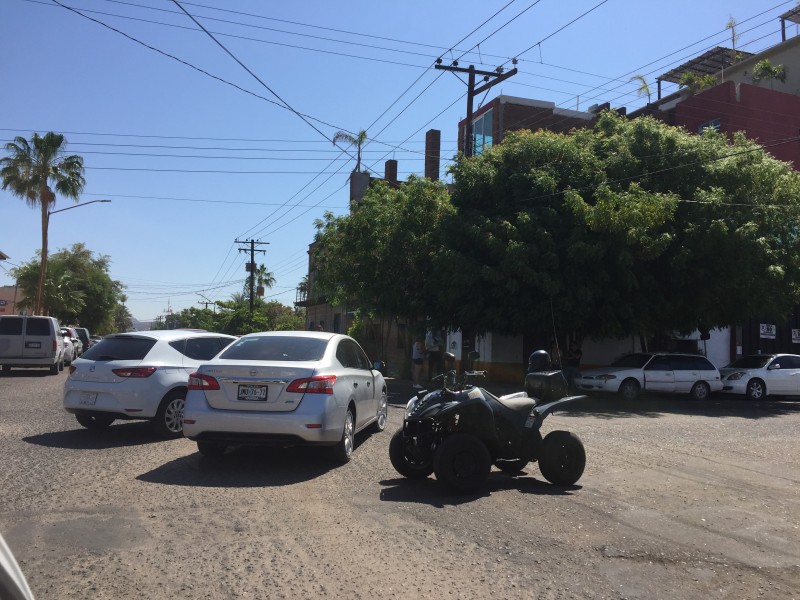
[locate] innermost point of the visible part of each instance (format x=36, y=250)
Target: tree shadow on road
x=655, y=406
x=119, y=435
x=431, y=492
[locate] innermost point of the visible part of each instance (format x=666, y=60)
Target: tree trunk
x=39, y=307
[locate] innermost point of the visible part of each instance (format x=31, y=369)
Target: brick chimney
x=390, y=172
x=433, y=143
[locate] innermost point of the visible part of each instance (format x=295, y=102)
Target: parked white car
x=654, y=372
x=286, y=388
x=69, y=348
x=758, y=375
x=141, y=375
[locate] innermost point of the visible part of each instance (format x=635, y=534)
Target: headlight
x=411, y=404
x=735, y=376
x=607, y=376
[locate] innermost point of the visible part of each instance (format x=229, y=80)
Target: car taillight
x=198, y=381
x=72, y=369
x=139, y=372
x=319, y=384
x=55, y=345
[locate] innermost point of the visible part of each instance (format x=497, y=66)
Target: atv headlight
x=411, y=405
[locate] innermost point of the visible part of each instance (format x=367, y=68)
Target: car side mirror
x=774, y=366
x=379, y=365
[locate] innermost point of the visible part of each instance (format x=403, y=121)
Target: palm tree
x=29, y=172
x=265, y=279
x=357, y=140
x=643, y=87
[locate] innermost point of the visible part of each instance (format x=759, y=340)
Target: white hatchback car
x=655, y=372
x=285, y=388
x=140, y=375
x=758, y=375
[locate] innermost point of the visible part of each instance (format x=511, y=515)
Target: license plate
x=88, y=398
x=252, y=393
x=33, y=344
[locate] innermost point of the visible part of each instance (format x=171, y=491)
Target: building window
x=482, y=132
x=713, y=124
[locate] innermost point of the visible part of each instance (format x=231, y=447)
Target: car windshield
x=632, y=361
x=120, y=348
x=757, y=361
x=277, y=348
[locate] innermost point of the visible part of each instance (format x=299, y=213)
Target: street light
x=52, y=212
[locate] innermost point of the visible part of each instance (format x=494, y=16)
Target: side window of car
x=363, y=361
x=703, y=364
x=346, y=354
x=201, y=348
x=11, y=326
x=786, y=362
x=179, y=345
x=659, y=363
x=223, y=343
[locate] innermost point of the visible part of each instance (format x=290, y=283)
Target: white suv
x=140, y=375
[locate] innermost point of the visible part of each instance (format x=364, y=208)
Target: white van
x=31, y=341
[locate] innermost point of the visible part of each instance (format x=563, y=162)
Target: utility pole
x=472, y=91
x=251, y=266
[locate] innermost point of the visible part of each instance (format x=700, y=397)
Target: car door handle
x=355, y=384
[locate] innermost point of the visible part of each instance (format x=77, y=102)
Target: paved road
x=679, y=500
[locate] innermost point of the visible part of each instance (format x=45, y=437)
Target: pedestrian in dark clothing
x=572, y=363
x=433, y=348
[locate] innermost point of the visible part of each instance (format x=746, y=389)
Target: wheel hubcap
x=173, y=416
x=382, y=412
x=348, y=434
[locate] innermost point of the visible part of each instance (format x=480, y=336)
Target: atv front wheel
x=462, y=462
x=405, y=464
x=562, y=458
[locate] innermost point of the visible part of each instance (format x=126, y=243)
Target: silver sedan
x=285, y=388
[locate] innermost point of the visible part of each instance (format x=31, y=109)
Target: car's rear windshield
x=276, y=348
x=120, y=348
x=756, y=361
x=632, y=361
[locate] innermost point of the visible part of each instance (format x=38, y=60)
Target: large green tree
x=380, y=256
x=633, y=227
x=36, y=171
x=78, y=289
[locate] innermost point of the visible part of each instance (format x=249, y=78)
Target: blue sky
x=192, y=163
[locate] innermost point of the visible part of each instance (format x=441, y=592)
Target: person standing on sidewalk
x=417, y=360
x=433, y=347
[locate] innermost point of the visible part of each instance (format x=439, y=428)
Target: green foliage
x=695, y=83
x=633, y=227
x=78, y=289
x=764, y=69
x=380, y=256
x=233, y=317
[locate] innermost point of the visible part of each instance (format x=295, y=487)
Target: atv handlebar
x=450, y=380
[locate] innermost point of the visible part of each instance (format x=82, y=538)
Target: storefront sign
x=767, y=331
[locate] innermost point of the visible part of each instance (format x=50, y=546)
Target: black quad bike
x=460, y=430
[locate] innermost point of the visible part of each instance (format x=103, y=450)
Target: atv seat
x=518, y=403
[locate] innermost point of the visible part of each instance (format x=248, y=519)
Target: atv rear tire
x=562, y=458
x=462, y=462
x=404, y=464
